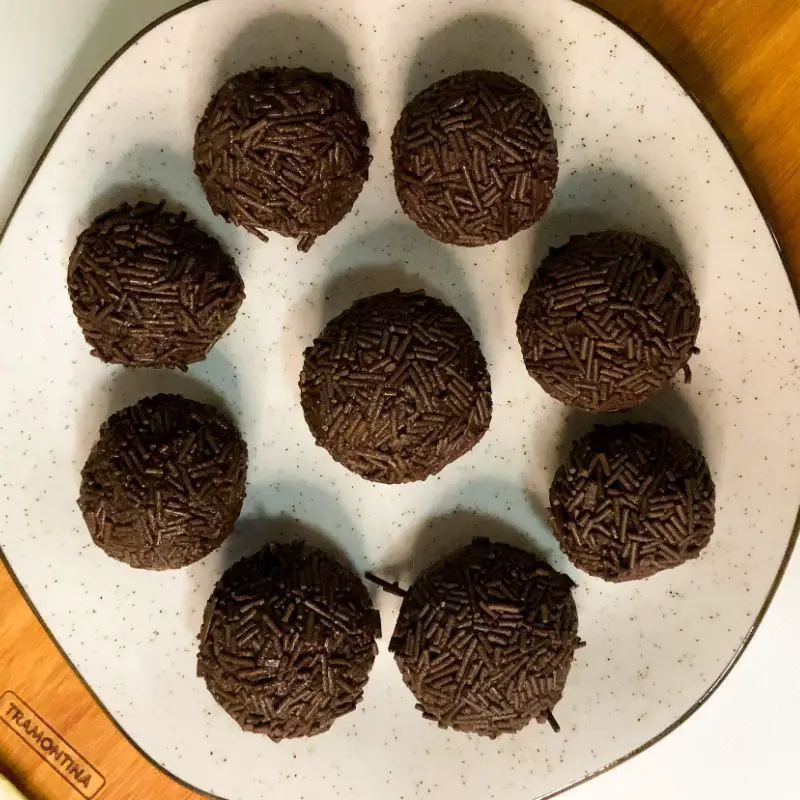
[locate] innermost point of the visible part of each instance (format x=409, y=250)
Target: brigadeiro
x=396, y=387
x=475, y=158
x=608, y=319
x=486, y=638
x=632, y=500
x=282, y=150
x=164, y=483
x=150, y=289
x=287, y=642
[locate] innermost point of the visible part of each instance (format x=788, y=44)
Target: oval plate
x=635, y=153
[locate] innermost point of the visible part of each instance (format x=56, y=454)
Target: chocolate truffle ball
x=287, y=642
x=608, y=319
x=164, y=483
x=396, y=387
x=150, y=289
x=282, y=150
x=632, y=500
x=475, y=158
x=485, y=639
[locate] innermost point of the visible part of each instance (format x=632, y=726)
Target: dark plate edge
x=795, y=530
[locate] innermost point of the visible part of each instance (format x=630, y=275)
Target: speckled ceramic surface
x=635, y=152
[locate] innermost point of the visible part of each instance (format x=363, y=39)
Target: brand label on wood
x=50, y=746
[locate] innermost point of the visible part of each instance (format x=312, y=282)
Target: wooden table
x=739, y=58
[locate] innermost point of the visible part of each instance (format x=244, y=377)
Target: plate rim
x=795, y=291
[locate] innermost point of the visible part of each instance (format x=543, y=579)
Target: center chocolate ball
x=396, y=387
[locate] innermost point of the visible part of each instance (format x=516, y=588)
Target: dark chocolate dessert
x=475, y=158
x=396, y=387
x=150, y=289
x=287, y=642
x=608, y=319
x=632, y=500
x=485, y=639
x=164, y=483
x=283, y=150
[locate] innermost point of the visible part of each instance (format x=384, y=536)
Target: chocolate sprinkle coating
x=608, y=319
x=164, y=483
x=287, y=642
x=150, y=289
x=485, y=639
x=396, y=387
x=475, y=158
x=632, y=500
x=283, y=150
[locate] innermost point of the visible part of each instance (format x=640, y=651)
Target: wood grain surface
x=738, y=58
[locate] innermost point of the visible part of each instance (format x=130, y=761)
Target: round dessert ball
x=608, y=319
x=282, y=150
x=150, y=289
x=164, y=483
x=485, y=639
x=632, y=500
x=475, y=158
x=396, y=387
x=287, y=642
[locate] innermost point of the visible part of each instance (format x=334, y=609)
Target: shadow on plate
x=593, y=199
x=393, y=255
x=283, y=511
x=475, y=41
x=254, y=533
x=285, y=39
x=151, y=172
x=670, y=408
x=506, y=515
x=213, y=381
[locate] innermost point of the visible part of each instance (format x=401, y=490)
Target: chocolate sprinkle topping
x=607, y=320
x=475, y=158
x=150, y=289
x=485, y=639
x=287, y=642
x=632, y=500
x=396, y=387
x=283, y=150
x=164, y=483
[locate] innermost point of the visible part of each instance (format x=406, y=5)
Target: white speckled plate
x=635, y=152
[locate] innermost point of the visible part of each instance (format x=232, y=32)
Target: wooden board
x=738, y=58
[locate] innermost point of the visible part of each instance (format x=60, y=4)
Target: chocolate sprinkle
x=396, y=387
x=164, y=483
x=607, y=320
x=283, y=150
x=287, y=642
x=632, y=500
x=475, y=158
x=485, y=639
x=150, y=289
